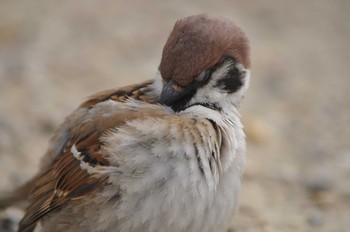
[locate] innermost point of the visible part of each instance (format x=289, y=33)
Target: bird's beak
x=171, y=93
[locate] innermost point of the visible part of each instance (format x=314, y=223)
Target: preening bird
x=163, y=155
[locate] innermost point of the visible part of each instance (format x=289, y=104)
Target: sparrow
x=163, y=155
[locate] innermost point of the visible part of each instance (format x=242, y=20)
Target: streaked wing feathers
x=141, y=92
x=63, y=179
x=66, y=181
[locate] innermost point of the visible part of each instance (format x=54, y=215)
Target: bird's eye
x=203, y=78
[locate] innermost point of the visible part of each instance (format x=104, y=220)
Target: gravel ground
x=297, y=112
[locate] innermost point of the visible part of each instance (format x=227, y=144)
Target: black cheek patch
x=178, y=104
x=232, y=81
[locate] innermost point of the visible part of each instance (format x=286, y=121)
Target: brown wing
x=65, y=180
x=141, y=92
x=68, y=129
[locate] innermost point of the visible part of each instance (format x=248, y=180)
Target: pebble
x=9, y=219
x=315, y=218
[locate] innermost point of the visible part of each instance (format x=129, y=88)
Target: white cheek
x=237, y=97
x=211, y=94
x=157, y=85
x=208, y=94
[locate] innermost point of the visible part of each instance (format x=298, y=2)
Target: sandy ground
x=297, y=112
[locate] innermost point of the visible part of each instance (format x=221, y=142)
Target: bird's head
x=205, y=61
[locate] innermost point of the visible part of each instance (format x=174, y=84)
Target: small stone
x=315, y=218
x=318, y=185
x=9, y=219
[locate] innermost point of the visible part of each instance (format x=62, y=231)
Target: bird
x=163, y=155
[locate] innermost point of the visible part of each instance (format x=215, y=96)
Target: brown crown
x=199, y=42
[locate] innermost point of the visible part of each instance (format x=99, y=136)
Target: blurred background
x=297, y=112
